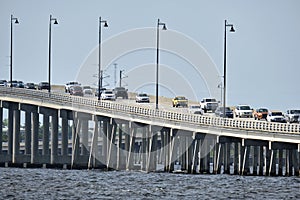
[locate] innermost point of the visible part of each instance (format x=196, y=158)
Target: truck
x=209, y=104
x=180, y=101
x=293, y=115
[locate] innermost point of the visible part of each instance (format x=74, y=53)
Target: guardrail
x=65, y=100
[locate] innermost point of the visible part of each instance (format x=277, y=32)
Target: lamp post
x=11, y=44
x=100, y=77
x=157, y=56
x=49, y=66
x=224, y=86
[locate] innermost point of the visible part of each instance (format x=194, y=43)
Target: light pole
x=49, y=66
x=224, y=99
x=11, y=45
x=99, y=67
x=157, y=56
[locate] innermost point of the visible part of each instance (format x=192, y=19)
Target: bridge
x=79, y=132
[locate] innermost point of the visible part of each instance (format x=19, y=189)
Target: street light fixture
x=100, y=76
x=11, y=44
x=49, y=72
x=157, y=56
x=224, y=86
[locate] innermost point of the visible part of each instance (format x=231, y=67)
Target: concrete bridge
x=79, y=132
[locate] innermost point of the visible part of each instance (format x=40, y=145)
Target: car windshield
x=295, y=111
x=86, y=87
x=181, y=98
x=77, y=88
x=262, y=110
x=210, y=100
x=108, y=92
x=142, y=95
x=277, y=114
x=245, y=108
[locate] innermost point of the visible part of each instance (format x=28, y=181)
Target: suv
x=142, y=97
x=108, y=95
x=243, y=111
x=292, y=115
x=121, y=92
x=209, y=104
x=43, y=86
x=276, y=116
x=260, y=113
x=70, y=84
x=180, y=101
x=220, y=110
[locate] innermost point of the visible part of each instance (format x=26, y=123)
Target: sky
x=263, y=63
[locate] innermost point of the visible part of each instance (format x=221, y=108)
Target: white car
x=87, y=90
x=108, y=95
x=142, y=97
x=293, y=115
x=276, y=116
x=195, y=109
x=243, y=111
x=70, y=84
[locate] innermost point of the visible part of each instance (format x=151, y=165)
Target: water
x=19, y=183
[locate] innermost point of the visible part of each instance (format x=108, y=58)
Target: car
x=14, y=83
x=70, y=84
x=30, y=86
x=87, y=90
x=293, y=115
x=276, y=116
x=260, y=113
x=3, y=83
x=209, y=104
x=43, y=86
x=243, y=111
x=20, y=84
x=76, y=90
x=101, y=90
x=195, y=109
x=180, y=101
x=220, y=110
x=108, y=95
x=142, y=97
x=121, y=92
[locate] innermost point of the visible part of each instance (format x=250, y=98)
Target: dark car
x=121, y=92
x=76, y=91
x=3, y=83
x=220, y=110
x=43, y=86
x=20, y=84
x=14, y=83
x=30, y=86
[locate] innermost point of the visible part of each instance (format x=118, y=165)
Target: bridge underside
x=64, y=138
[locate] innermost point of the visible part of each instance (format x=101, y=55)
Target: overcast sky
x=263, y=55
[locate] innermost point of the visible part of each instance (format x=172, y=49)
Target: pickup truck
x=209, y=104
x=243, y=111
x=293, y=115
x=180, y=101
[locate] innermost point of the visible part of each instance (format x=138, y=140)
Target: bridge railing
x=89, y=104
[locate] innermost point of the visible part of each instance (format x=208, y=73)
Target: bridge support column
x=64, y=137
x=261, y=160
x=76, y=126
x=104, y=141
x=236, y=157
x=35, y=138
x=54, y=138
x=16, y=136
x=130, y=147
x=111, y=156
x=120, y=155
x=280, y=161
x=27, y=132
x=1, y=125
x=144, y=148
x=84, y=137
x=10, y=130
x=45, y=151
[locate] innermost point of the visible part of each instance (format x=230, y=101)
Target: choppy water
x=17, y=183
